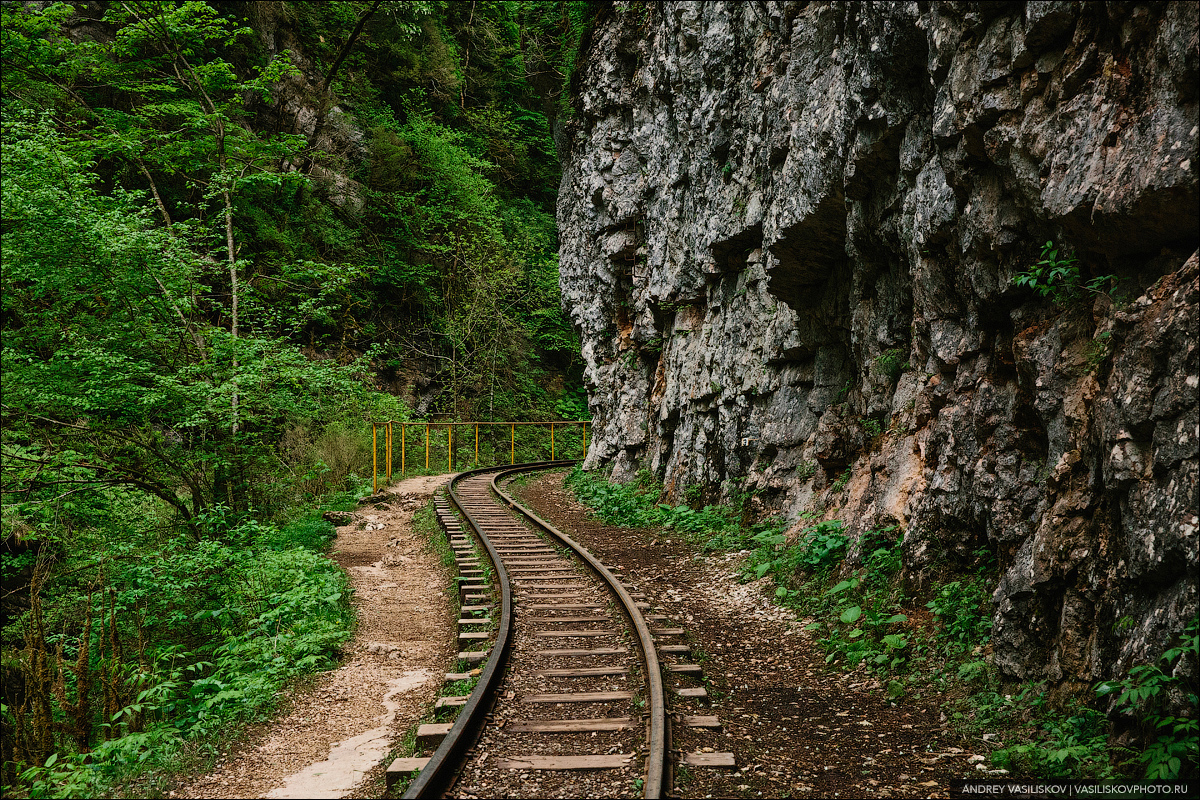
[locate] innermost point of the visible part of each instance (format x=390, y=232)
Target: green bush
x=817, y=549
x=1057, y=276
x=1172, y=742
x=963, y=611
x=1066, y=747
x=186, y=637
x=891, y=363
x=636, y=505
x=1054, y=276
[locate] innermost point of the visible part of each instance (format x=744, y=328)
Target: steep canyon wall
x=789, y=233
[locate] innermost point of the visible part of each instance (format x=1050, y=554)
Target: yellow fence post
x=389, y=444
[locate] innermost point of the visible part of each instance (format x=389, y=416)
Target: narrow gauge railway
x=570, y=665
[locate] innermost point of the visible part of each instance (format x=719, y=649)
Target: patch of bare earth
x=796, y=727
x=342, y=725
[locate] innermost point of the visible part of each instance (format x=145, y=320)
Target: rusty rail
x=441, y=771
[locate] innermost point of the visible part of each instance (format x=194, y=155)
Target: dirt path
x=796, y=728
x=341, y=727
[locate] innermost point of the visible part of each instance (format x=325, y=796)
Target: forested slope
x=233, y=234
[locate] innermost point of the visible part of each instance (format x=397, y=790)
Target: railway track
x=564, y=662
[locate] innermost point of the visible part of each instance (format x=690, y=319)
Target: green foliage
x=891, y=363
x=963, y=611
x=817, y=549
x=1057, y=276
x=169, y=459
x=860, y=615
x=842, y=480
x=1053, y=277
x=1097, y=350
x=636, y=505
x=1073, y=746
x=210, y=630
x=1172, y=742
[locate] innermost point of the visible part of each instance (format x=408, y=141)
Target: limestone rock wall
x=789, y=233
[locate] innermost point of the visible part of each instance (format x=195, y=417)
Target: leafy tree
x=197, y=308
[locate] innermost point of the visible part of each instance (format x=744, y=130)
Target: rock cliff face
x=789, y=237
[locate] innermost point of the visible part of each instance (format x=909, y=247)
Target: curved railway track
x=569, y=680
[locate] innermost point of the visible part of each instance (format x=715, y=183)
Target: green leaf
x=851, y=614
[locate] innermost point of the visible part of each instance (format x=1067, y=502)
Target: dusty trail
x=796, y=729
x=340, y=728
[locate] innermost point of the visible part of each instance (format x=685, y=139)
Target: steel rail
x=440, y=772
x=657, y=736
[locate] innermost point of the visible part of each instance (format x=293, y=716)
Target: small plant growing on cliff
x=1057, y=276
x=842, y=480
x=891, y=363
x=1054, y=276
x=1096, y=351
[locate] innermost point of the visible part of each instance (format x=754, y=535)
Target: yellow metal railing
x=388, y=436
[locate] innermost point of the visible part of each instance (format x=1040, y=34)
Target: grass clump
x=636, y=505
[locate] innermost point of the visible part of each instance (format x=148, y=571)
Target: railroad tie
x=403, y=767
x=582, y=672
x=709, y=759
x=574, y=651
x=576, y=697
x=614, y=761
x=569, y=725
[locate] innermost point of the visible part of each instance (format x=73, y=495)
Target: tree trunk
x=233, y=289
x=337, y=63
